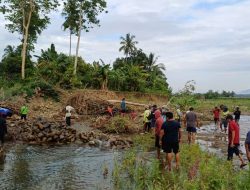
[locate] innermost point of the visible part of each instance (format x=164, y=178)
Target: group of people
x=229, y=122
x=167, y=129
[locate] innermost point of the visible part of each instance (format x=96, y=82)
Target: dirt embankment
x=46, y=122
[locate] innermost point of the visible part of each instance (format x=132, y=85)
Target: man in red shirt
x=158, y=124
x=216, y=113
x=234, y=140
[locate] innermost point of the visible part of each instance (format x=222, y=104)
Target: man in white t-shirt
x=69, y=108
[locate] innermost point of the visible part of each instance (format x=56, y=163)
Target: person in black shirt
x=237, y=114
x=170, y=137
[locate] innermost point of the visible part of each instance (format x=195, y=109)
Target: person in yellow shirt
x=146, y=121
x=24, y=112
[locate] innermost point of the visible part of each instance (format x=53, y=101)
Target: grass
x=231, y=103
x=199, y=170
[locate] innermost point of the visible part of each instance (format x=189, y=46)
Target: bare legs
x=169, y=157
x=191, y=137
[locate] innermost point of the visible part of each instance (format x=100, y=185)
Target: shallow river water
x=215, y=141
x=63, y=167
x=79, y=167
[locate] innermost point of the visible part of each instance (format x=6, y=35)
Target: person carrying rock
x=24, y=112
x=3, y=130
x=68, y=118
x=69, y=108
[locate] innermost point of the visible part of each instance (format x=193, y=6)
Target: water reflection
x=218, y=140
x=65, y=167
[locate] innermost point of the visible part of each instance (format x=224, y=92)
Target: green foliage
x=199, y=170
x=186, y=97
x=10, y=65
x=17, y=11
x=140, y=73
x=89, y=9
x=128, y=44
x=214, y=94
x=120, y=125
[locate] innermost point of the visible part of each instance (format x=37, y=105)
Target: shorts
x=191, y=129
x=23, y=116
x=224, y=123
x=123, y=111
x=170, y=147
x=68, y=121
x=147, y=126
x=249, y=147
x=157, y=141
x=233, y=150
x=152, y=124
x=216, y=120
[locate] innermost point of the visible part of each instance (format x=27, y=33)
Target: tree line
x=136, y=71
x=215, y=94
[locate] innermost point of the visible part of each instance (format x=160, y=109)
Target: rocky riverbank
x=42, y=131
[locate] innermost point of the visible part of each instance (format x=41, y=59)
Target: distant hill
x=245, y=92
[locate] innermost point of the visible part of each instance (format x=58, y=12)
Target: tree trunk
x=78, y=42
x=25, y=36
x=24, y=49
x=70, y=42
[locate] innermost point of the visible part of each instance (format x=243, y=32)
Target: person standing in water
x=191, y=122
x=234, y=140
x=216, y=113
x=237, y=114
x=224, y=121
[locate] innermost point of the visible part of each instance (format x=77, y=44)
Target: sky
x=203, y=40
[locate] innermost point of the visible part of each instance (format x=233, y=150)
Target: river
x=216, y=142
x=81, y=167
x=60, y=167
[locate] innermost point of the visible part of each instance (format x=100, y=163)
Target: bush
x=120, y=125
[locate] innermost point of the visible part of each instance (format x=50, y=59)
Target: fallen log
x=129, y=103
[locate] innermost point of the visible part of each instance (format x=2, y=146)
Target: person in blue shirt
x=123, y=107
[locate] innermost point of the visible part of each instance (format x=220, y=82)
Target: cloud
x=204, y=40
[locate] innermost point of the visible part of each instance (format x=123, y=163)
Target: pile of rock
x=98, y=139
x=41, y=131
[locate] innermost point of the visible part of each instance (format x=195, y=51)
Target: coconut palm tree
x=151, y=65
x=128, y=44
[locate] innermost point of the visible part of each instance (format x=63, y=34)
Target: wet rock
x=92, y=143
